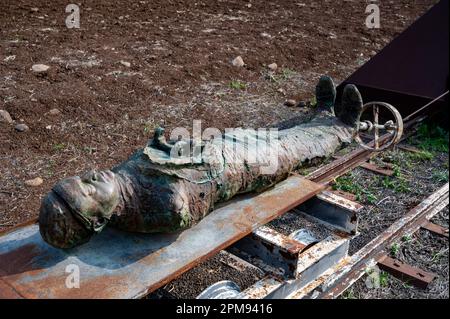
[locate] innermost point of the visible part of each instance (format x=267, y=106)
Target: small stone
x=48, y=127
x=34, y=182
x=5, y=117
x=239, y=62
x=9, y=58
x=281, y=90
x=33, y=99
x=125, y=63
x=54, y=112
x=21, y=127
x=301, y=104
x=34, y=9
x=290, y=103
x=40, y=68
x=273, y=66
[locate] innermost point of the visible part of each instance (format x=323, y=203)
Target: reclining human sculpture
x=159, y=190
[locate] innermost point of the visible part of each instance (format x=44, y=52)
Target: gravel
x=192, y=283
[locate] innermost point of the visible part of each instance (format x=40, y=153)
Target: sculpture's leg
x=325, y=93
x=351, y=106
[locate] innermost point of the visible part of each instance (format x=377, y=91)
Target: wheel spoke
x=376, y=112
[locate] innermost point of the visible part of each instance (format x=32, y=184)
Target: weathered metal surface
x=347, y=195
x=7, y=292
x=411, y=275
x=414, y=65
x=221, y=290
x=313, y=263
x=124, y=265
x=272, y=248
x=374, y=168
x=304, y=236
x=368, y=256
x=437, y=229
x=332, y=210
x=309, y=290
x=261, y=289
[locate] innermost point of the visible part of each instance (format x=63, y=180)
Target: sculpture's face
x=76, y=208
x=99, y=191
x=95, y=194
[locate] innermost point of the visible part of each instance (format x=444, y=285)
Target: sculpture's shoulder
x=195, y=165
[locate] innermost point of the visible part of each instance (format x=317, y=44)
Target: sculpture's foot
x=351, y=106
x=325, y=93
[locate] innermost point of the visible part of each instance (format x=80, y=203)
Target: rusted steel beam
x=368, y=256
x=8, y=292
x=332, y=210
x=436, y=229
x=261, y=289
x=374, y=168
x=409, y=274
x=273, y=249
x=123, y=265
x=313, y=263
x=341, y=166
x=407, y=148
x=346, y=195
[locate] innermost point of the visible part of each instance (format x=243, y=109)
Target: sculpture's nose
x=90, y=176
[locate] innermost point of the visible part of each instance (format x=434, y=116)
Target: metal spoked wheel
x=393, y=127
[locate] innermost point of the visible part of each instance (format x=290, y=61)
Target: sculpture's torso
x=163, y=195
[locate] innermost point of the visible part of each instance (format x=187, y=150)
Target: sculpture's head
x=76, y=208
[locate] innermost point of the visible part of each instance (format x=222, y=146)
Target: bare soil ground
x=180, y=56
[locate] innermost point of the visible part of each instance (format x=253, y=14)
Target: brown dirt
x=180, y=53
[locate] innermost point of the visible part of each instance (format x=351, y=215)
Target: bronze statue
x=161, y=188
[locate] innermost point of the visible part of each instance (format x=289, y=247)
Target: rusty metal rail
x=370, y=254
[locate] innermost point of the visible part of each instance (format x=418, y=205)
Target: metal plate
x=122, y=265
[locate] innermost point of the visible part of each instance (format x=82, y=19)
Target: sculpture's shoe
x=325, y=93
x=351, y=106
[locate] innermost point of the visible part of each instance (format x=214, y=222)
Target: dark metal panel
x=415, y=64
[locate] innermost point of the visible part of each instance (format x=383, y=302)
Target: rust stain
x=19, y=260
x=8, y=292
x=106, y=286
